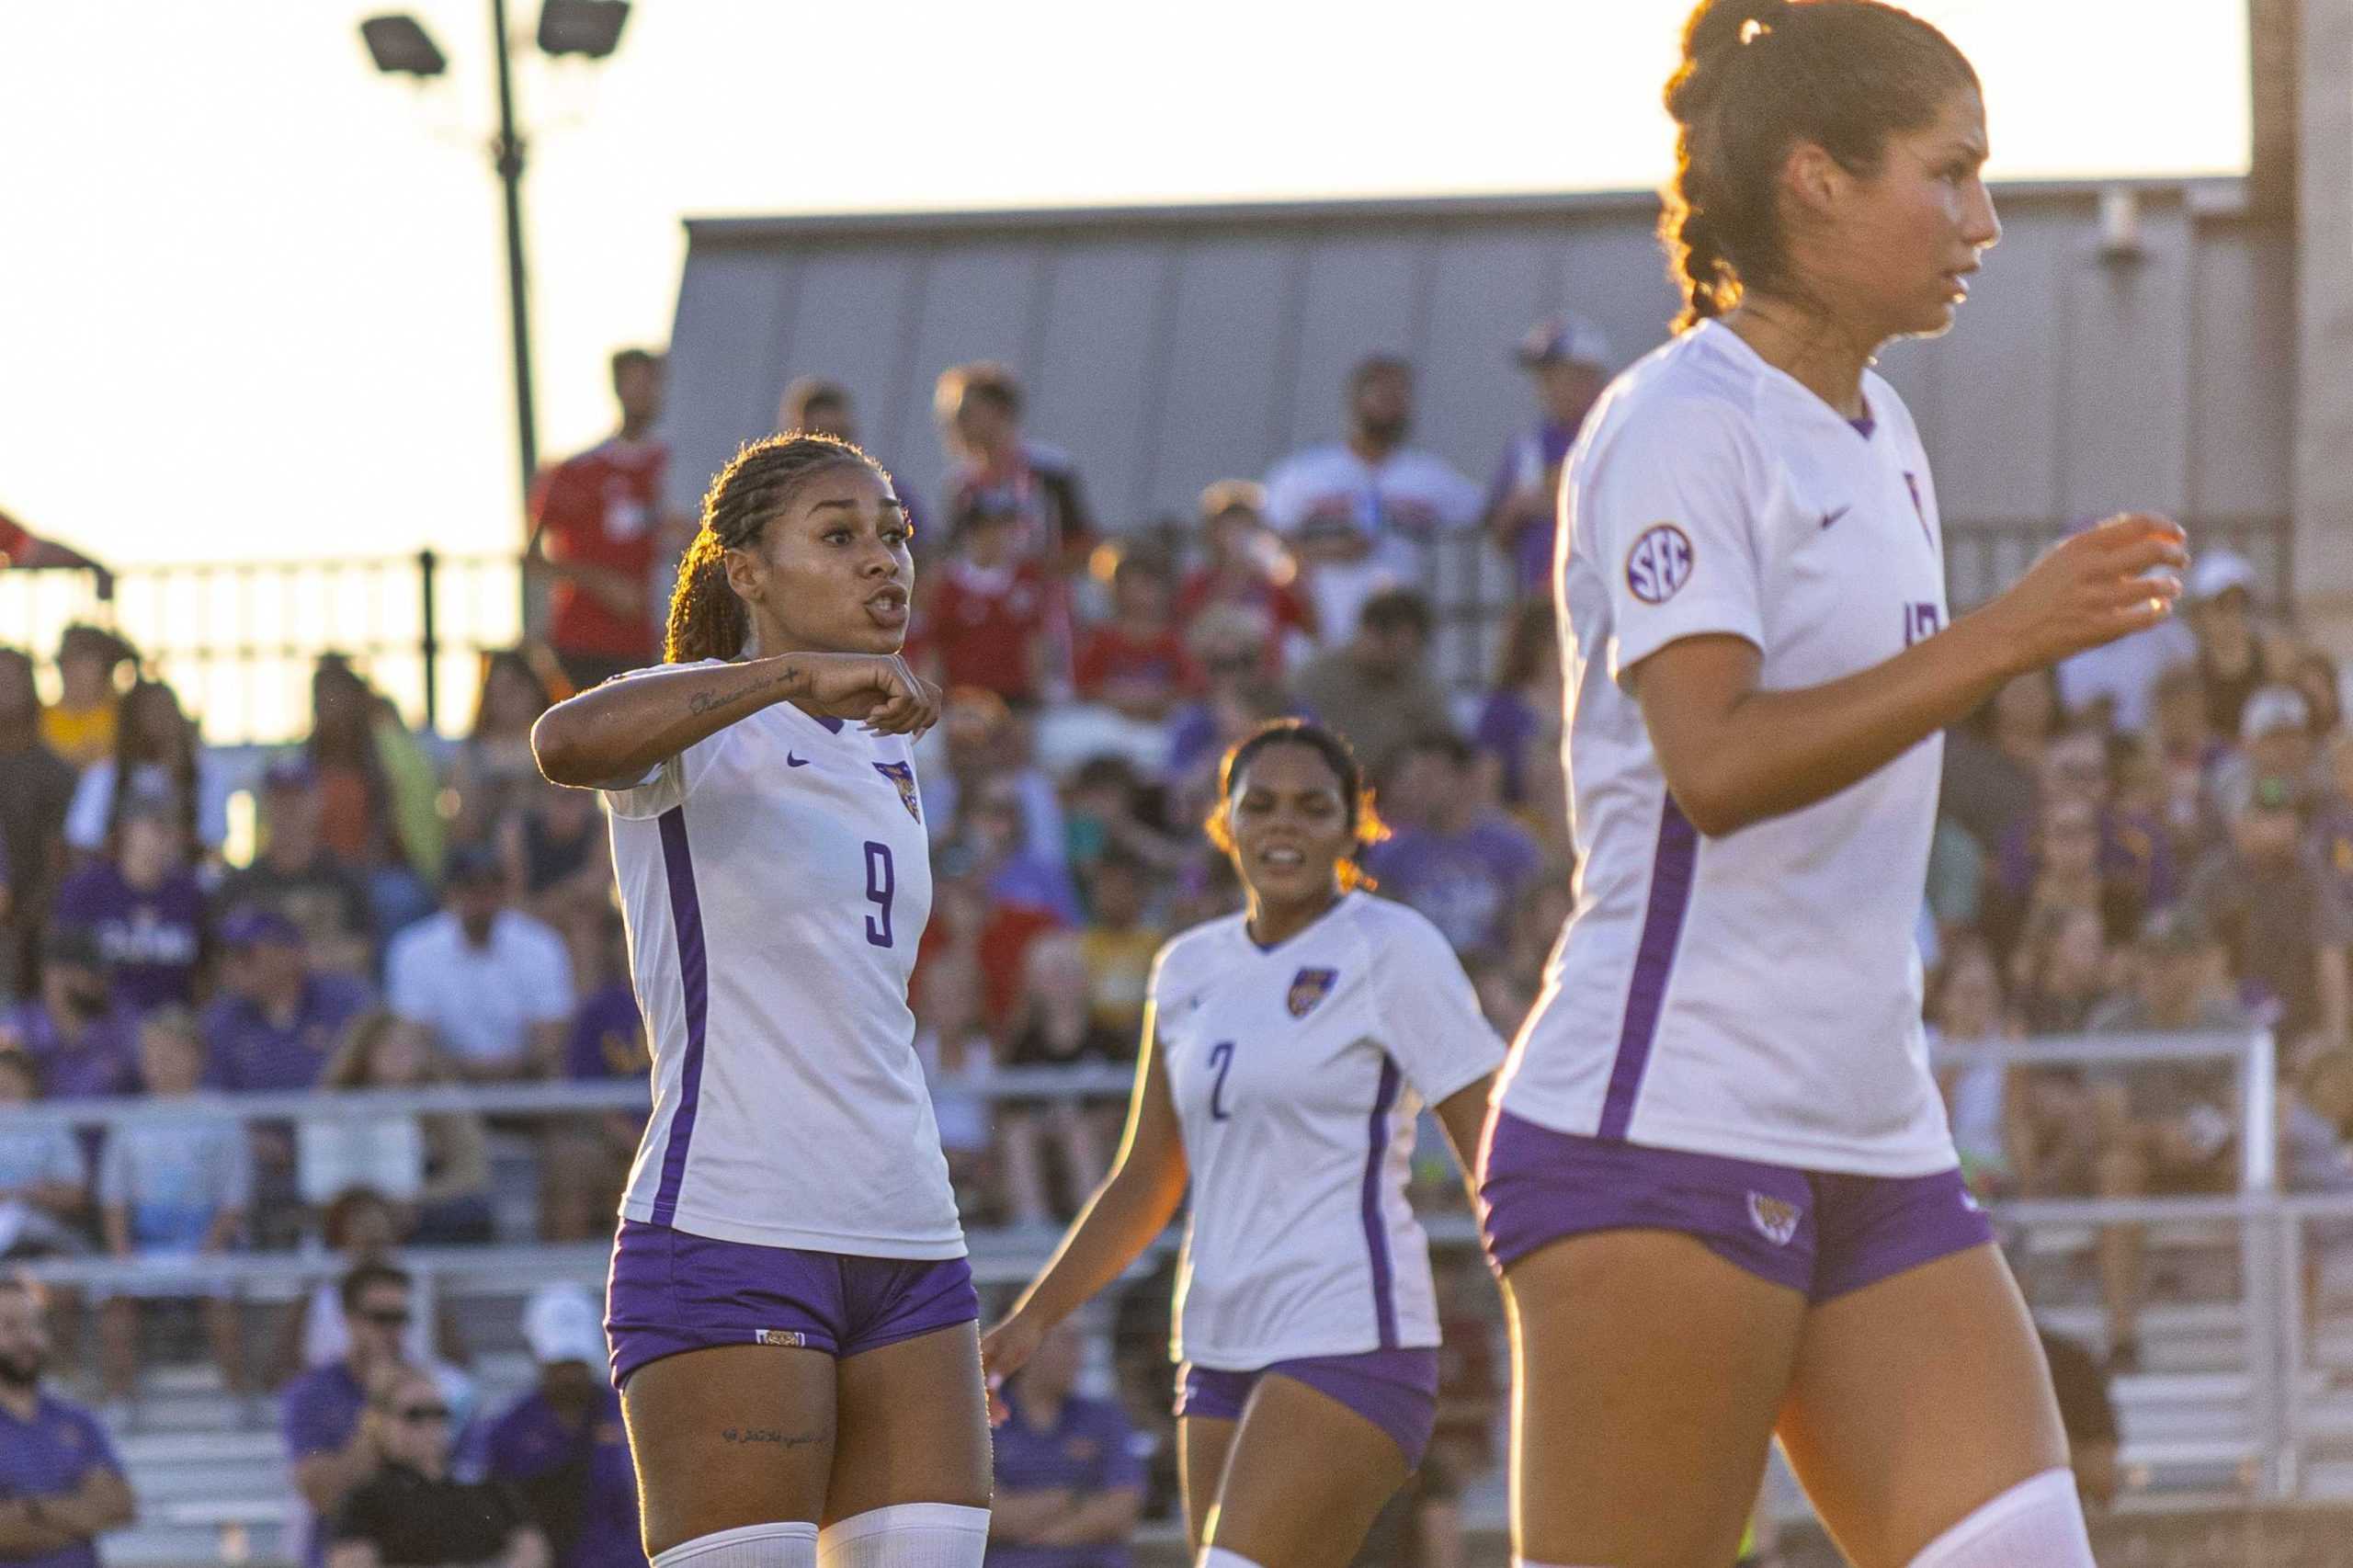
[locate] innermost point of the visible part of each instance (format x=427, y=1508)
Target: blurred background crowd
x=2158, y=837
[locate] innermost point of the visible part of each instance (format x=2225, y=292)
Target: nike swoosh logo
x=792, y=761
x=1830, y=517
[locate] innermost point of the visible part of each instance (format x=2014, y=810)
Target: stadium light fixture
x=400, y=47
x=590, y=28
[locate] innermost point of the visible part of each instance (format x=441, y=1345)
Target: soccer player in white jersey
x=1287, y=1054
x=793, y=1324
x=1719, y=1181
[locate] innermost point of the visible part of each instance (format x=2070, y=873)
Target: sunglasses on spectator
x=420, y=1414
x=388, y=1317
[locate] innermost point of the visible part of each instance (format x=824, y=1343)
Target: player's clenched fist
x=882, y=691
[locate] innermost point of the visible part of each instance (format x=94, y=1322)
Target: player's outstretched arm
x=1735, y=754
x=623, y=730
x=1133, y=1206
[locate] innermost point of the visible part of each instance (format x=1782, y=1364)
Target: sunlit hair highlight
x=1365, y=826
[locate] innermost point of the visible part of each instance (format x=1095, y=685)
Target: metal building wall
x=1168, y=347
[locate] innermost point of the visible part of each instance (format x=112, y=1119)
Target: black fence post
x=428, y=641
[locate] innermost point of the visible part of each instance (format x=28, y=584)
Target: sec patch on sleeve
x=1659, y=564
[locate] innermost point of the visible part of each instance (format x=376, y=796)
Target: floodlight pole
x=507, y=154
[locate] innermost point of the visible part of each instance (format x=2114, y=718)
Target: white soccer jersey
x=1756, y=994
x=776, y=879
x=1298, y=1072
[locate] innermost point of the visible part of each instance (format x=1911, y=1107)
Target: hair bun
x=1718, y=26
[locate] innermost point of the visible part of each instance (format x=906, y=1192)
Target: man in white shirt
x=1359, y=513
x=495, y=984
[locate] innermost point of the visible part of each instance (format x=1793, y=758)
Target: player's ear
x=745, y=575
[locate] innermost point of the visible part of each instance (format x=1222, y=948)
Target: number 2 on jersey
x=881, y=886
x=1220, y=1058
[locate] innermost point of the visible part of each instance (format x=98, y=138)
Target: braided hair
x=706, y=620
x=1365, y=826
x=1757, y=77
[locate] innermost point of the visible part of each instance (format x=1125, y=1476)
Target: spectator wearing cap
x=494, y=983
x=2264, y=896
x=78, y=1036
x=61, y=1486
x=1376, y=690
x=80, y=725
x=276, y=1020
x=595, y=527
x=1568, y=359
x=561, y=1448
x=1359, y=511
x=2275, y=742
x=413, y=1512
x=35, y=787
x=2233, y=662
x=999, y=470
x=143, y=906
x=2162, y=1127
x=295, y=874
x=1245, y=572
x=1070, y=1483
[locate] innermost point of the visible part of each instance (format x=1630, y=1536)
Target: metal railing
x=239, y=638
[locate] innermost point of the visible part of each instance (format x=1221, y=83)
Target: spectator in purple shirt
x=74, y=1031
x=1569, y=358
x=60, y=1484
x=275, y=1023
x=330, y=1450
x=1069, y=1482
x=144, y=906
x=561, y=1449
x=1451, y=855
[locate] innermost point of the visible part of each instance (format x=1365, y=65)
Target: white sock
x=1219, y=1557
x=908, y=1535
x=753, y=1546
x=2038, y=1523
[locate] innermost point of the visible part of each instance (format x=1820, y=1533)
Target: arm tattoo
x=704, y=701
x=770, y=1434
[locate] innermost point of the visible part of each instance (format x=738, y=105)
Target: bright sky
x=252, y=299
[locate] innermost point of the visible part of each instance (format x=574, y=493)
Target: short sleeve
x=408, y=991
x=1664, y=510
x=671, y=780
x=97, y=1445
x=549, y=999
x=1431, y=1022
x=1289, y=488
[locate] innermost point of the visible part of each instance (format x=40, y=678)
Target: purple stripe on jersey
x=694, y=981
x=1671, y=868
x=1376, y=1226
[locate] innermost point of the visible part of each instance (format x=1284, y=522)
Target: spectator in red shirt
x=1247, y=566
x=1137, y=661
x=978, y=407
x=595, y=531
x=987, y=622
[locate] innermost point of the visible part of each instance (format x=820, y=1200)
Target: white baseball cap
x=1567, y=338
x=2273, y=709
x=2216, y=572
x=560, y=1324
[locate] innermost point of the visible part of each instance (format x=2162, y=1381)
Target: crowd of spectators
x=2157, y=837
